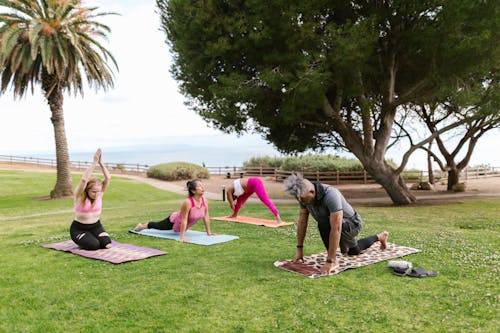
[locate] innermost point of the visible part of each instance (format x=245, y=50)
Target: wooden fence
x=75, y=165
x=331, y=177
x=362, y=177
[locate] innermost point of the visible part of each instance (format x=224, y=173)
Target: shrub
x=264, y=161
x=307, y=162
x=177, y=171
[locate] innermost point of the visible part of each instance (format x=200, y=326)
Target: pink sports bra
x=86, y=207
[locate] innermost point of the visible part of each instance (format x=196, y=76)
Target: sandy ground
x=360, y=194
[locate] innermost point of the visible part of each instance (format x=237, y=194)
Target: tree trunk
x=54, y=95
x=392, y=182
x=453, y=178
x=397, y=190
x=429, y=165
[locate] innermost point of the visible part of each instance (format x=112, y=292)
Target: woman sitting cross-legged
x=193, y=209
x=86, y=229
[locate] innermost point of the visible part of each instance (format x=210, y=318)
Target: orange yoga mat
x=252, y=220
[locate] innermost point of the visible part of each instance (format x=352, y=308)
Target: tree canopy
x=315, y=74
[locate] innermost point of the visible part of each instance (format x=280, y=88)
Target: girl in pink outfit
x=241, y=189
x=86, y=229
x=193, y=209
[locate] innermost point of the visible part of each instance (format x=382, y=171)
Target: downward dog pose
x=338, y=222
x=86, y=229
x=193, y=209
x=241, y=189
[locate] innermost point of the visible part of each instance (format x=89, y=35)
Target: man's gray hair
x=296, y=185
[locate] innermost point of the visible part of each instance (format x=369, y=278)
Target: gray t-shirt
x=329, y=200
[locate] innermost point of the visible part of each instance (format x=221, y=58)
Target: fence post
x=364, y=176
x=338, y=177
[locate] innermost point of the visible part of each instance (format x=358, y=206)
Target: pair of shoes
x=405, y=268
x=421, y=273
x=401, y=267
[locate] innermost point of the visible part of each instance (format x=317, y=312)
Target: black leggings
x=361, y=245
x=87, y=235
x=164, y=224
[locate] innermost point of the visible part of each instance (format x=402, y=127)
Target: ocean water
x=209, y=155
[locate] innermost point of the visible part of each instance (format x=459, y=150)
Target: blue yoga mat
x=195, y=237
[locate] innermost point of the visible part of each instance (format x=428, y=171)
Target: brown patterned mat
x=313, y=263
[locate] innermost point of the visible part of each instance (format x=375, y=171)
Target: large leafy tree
x=475, y=106
x=321, y=73
x=53, y=43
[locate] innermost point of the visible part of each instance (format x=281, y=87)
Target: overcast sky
x=143, y=107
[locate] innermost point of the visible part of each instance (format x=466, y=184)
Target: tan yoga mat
x=252, y=220
x=313, y=263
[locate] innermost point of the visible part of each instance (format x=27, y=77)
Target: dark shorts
x=351, y=228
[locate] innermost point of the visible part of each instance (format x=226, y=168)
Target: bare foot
x=140, y=227
x=382, y=237
x=108, y=246
x=279, y=221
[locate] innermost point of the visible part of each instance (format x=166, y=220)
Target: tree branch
x=434, y=135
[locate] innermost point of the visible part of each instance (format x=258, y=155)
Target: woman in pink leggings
x=241, y=189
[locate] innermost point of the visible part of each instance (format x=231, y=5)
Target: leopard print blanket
x=313, y=263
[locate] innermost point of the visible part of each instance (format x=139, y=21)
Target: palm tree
x=53, y=43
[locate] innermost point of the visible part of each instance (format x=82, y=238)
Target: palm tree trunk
x=54, y=95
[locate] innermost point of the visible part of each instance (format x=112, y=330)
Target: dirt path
x=366, y=194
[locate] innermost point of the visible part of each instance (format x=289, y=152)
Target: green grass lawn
x=234, y=287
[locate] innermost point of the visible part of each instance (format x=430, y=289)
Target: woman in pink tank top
x=86, y=229
x=193, y=209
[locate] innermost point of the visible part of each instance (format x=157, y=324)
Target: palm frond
x=10, y=39
x=58, y=38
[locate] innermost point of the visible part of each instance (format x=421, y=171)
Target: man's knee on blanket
x=354, y=251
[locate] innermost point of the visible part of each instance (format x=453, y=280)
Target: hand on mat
x=327, y=267
x=184, y=239
x=211, y=234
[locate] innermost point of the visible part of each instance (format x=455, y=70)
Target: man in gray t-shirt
x=338, y=222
